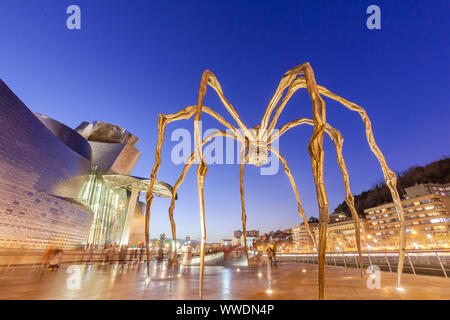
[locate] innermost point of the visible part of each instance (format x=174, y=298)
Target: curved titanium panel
x=33, y=163
x=69, y=137
x=114, y=157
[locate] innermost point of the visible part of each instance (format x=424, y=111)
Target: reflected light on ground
x=226, y=283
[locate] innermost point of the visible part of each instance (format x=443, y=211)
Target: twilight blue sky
x=134, y=59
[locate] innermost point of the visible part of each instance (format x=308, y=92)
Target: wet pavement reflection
x=286, y=281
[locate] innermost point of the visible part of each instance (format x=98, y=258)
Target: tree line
x=435, y=172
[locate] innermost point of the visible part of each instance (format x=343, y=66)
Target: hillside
x=435, y=172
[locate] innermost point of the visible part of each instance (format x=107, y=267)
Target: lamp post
x=433, y=242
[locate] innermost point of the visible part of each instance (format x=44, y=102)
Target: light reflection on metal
x=256, y=144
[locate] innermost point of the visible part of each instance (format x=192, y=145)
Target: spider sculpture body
x=256, y=145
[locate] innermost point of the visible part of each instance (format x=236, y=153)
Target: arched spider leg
x=389, y=176
x=180, y=180
x=286, y=81
x=316, y=152
x=208, y=78
x=338, y=141
x=163, y=120
x=295, y=85
x=301, y=212
x=315, y=148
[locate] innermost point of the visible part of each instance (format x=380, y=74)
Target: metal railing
x=427, y=262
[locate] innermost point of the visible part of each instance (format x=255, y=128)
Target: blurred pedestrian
x=269, y=255
x=132, y=253
x=56, y=259
x=141, y=254
x=90, y=255
x=273, y=248
x=122, y=256
x=107, y=252
x=48, y=255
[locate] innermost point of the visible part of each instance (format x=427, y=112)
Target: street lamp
x=375, y=241
x=433, y=242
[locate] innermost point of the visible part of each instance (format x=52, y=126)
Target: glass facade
x=109, y=208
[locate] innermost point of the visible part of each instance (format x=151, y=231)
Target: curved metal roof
x=160, y=189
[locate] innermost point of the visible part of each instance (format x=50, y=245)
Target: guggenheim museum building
x=66, y=188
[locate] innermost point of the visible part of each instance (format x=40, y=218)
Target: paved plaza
x=287, y=281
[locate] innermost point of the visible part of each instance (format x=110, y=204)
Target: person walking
x=122, y=256
x=141, y=254
x=269, y=255
x=132, y=254
x=55, y=261
x=274, y=254
x=107, y=257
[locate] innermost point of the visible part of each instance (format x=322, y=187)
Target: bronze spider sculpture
x=256, y=143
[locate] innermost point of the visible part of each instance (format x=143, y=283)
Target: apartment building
x=426, y=216
x=340, y=235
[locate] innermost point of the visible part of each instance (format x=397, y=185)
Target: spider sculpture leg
x=163, y=120
x=315, y=148
x=243, y=216
x=316, y=152
x=389, y=176
x=301, y=212
x=201, y=172
x=208, y=78
x=338, y=141
x=180, y=180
